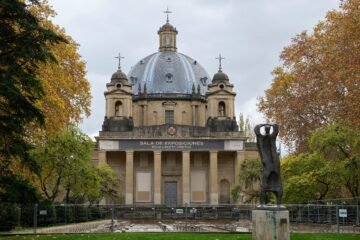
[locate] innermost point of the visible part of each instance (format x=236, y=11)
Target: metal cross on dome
x=167, y=14
x=220, y=58
x=119, y=57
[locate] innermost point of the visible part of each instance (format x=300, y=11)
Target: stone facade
x=169, y=135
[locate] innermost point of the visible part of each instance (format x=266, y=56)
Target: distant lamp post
x=132, y=209
x=154, y=212
x=215, y=212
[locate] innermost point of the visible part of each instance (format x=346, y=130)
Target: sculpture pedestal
x=270, y=223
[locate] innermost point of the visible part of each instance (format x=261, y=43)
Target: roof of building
x=167, y=27
x=220, y=75
x=118, y=75
x=168, y=72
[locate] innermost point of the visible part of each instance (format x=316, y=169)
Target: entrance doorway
x=224, y=192
x=170, y=194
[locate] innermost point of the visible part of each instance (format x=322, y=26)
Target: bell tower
x=221, y=102
x=118, y=97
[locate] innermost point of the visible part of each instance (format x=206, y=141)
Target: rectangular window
x=143, y=187
x=198, y=186
x=169, y=116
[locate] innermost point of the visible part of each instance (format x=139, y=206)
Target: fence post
x=337, y=218
x=308, y=208
x=112, y=217
x=318, y=213
x=357, y=211
x=65, y=213
x=35, y=217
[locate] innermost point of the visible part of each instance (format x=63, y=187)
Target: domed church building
x=170, y=132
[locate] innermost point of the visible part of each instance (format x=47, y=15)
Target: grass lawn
x=176, y=236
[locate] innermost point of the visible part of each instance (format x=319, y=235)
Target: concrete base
x=270, y=224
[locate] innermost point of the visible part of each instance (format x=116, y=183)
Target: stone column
x=213, y=178
x=101, y=157
x=186, y=177
x=157, y=177
x=129, y=175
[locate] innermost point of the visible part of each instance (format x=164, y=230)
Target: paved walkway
x=95, y=226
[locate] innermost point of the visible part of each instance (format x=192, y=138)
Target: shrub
x=9, y=216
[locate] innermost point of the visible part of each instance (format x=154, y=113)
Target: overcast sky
x=250, y=34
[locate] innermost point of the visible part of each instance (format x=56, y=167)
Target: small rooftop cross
x=220, y=58
x=167, y=14
x=119, y=57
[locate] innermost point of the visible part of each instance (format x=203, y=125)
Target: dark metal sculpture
x=266, y=143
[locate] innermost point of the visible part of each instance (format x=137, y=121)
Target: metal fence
x=31, y=218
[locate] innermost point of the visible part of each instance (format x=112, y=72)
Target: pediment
x=221, y=92
x=118, y=91
x=169, y=104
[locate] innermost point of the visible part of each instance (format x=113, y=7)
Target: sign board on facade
x=43, y=212
x=234, y=145
x=343, y=213
x=171, y=144
x=180, y=211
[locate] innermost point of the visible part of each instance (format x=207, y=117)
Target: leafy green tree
x=93, y=185
x=249, y=180
x=307, y=177
x=24, y=44
x=108, y=187
x=67, y=174
x=331, y=165
x=65, y=162
x=339, y=145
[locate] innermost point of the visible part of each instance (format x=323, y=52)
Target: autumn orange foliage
x=67, y=91
x=319, y=80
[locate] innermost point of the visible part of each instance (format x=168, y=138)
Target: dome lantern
x=167, y=35
x=119, y=75
x=219, y=76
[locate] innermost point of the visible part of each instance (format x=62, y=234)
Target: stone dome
x=118, y=75
x=220, y=76
x=168, y=72
x=167, y=27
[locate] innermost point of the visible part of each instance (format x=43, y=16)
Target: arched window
x=118, y=109
x=221, y=109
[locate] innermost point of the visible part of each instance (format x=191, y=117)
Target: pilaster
x=213, y=178
x=129, y=175
x=157, y=177
x=101, y=157
x=186, y=177
x=239, y=159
